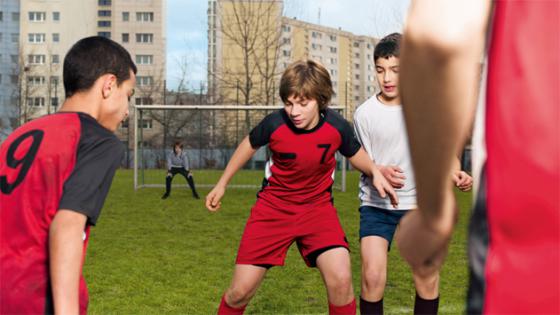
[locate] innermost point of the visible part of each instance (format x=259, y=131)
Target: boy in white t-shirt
x=380, y=127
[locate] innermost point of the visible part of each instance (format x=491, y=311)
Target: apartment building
x=347, y=57
x=9, y=49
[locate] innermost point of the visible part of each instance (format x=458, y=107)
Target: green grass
x=153, y=256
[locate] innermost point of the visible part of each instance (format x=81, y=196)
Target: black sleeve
x=349, y=144
x=260, y=135
x=87, y=186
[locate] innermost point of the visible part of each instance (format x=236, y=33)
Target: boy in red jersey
x=55, y=173
x=514, y=237
x=295, y=203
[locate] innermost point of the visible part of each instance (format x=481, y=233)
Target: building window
x=125, y=16
x=54, y=101
x=36, y=101
x=56, y=16
x=286, y=53
x=357, y=76
x=0, y=37
x=0, y=78
x=104, y=34
x=286, y=28
x=333, y=49
x=286, y=41
x=333, y=61
x=15, y=37
x=125, y=37
x=15, y=16
x=146, y=124
x=369, y=46
x=333, y=37
x=55, y=59
x=144, y=38
x=143, y=101
x=35, y=16
x=356, y=87
x=14, y=79
x=144, y=59
x=36, y=80
x=1, y=16
x=317, y=46
x=316, y=35
x=104, y=13
x=357, y=98
x=357, y=65
x=357, y=55
x=369, y=88
x=144, y=80
x=356, y=44
x=54, y=80
x=333, y=72
x=104, y=2
x=35, y=59
x=36, y=38
x=14, y=59
x=369, y=67
x=144, y=16
x=124, y=124
x=56, y=37
x=104, y=23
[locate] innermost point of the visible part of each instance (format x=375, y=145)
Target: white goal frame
x=138, y=108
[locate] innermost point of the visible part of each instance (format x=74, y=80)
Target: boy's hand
x=462, y=180
x=383, y=187
x=213, y=198
x=393, y=174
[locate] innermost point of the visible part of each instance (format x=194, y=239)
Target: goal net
x=209, y=134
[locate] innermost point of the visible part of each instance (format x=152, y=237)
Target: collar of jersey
x=322, y=118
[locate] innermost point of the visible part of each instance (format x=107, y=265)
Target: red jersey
x=519, y=271
x=60, y=161
x=301, y=168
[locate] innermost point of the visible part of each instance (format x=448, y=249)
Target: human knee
x=340, y=283
x=239, y=295
x=373, y=279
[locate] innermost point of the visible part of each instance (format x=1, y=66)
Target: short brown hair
x=307, y=78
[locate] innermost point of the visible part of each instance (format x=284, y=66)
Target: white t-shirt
x=381, y=130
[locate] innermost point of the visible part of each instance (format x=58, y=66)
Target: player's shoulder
x=275, y=118
x=335, y=119
x=95, y=137
x=53, y=126
x=365, y=107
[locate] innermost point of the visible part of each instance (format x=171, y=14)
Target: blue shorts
x=379, y=222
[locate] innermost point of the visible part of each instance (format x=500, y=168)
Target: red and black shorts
x=272, y=228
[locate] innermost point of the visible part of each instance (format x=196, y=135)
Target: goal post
x=210, y=134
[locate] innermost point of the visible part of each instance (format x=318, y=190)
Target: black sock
x=371, y=308
x=425, y=307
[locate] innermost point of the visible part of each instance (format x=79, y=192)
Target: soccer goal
x=209, y=134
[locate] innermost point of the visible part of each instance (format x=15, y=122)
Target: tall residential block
x=276, y=41
x=9, y=69
x=47, y=30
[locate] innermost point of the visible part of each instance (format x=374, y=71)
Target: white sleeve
x=361, y=130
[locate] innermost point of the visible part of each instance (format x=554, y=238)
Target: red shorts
x=272, y=228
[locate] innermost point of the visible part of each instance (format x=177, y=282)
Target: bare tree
x=251, y=32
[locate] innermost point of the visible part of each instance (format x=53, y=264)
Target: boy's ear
x=109, y=85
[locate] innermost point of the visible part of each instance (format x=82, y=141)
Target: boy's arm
x=242, y=154
x=443, y=44
x=364, y=164
x=66, y=245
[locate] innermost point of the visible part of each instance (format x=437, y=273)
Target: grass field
x=153, y=256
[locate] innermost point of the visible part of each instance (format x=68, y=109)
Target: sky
x=187, y=26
